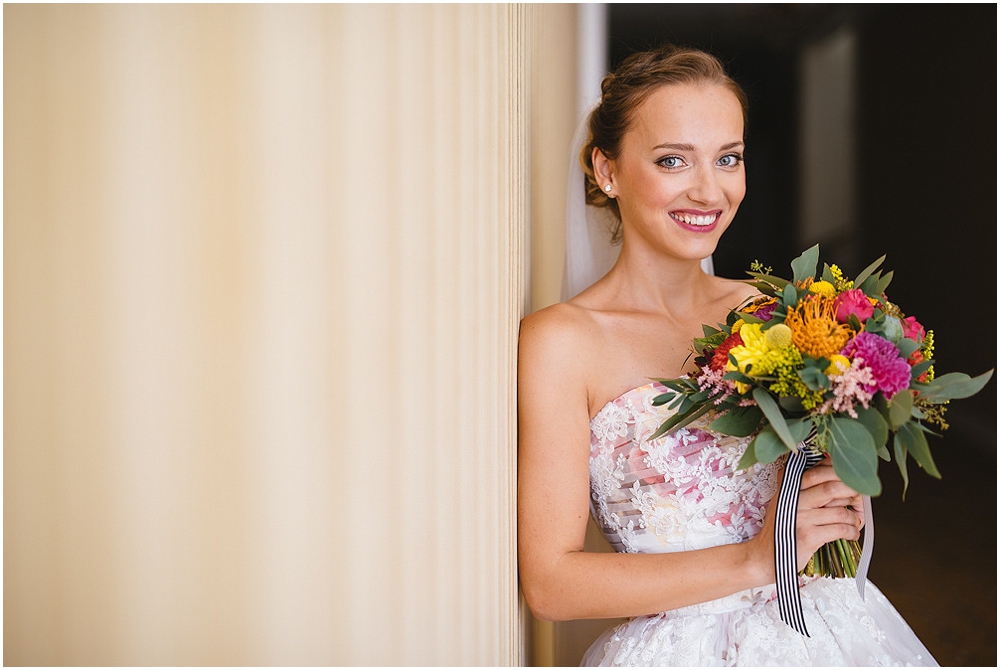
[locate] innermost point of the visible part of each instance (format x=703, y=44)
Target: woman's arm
x=560, y=581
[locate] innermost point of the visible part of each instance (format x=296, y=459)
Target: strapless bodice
x=679, y=492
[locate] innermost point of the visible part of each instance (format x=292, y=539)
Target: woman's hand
x=828, y=510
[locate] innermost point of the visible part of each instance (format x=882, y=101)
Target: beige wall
x=263, y=269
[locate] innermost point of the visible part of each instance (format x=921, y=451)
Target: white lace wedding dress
x=682, y=492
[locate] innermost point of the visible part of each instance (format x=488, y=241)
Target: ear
x=604, y=168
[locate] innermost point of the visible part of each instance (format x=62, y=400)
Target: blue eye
x=730, y=160
x=670, y=162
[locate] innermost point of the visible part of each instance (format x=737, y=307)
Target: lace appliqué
x=680, y=491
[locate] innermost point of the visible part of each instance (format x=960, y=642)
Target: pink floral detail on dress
x=678, y=492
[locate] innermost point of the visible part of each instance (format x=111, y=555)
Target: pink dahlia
x=890, y=371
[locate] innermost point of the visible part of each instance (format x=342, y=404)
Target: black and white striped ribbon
x=786, y=574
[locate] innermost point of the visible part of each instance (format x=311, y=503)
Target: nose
x=705, y=187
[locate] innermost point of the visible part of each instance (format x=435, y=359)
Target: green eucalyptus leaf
x=773, y=413
x=765, y=288
x=854, y=455
x=800, y=429
x=768, y=446
x=739, y=421
x=790, y=297
x=737, y=376
x=872, y=419
x=953, y=386
x=712, y=343
x=804, y=266
x=899, y=409
x=916, y=445
x=709, y=331
x=791, y=404
x=899, y=447
x=749, y=457
x=828, y=274
x=863, y=275
x=869, y=286
x=663, y=399
x=771, y=280
x=919, y=369
x=883, y=283
x=883, y=453
x=906, y=347
x=882, y=405
x=681, y=419
x=814, y=379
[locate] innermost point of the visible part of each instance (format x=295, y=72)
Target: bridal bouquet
x=825, y=361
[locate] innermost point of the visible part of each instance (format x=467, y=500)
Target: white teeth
x=695, y=220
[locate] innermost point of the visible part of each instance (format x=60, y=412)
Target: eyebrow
x=690, y=147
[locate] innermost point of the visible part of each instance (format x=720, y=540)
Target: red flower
x=913, y=330
x=721, y=355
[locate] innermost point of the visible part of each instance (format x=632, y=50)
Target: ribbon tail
x=861, y=578
x=786, y=575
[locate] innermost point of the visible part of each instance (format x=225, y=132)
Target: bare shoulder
x=734, y=292
x=560, y=325
x=557, y=340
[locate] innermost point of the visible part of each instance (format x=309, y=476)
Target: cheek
x=737, y=189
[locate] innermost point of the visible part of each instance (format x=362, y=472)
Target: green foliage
x=907, y=346
x=774, y=415
x=853, y=451
x=779, y=422
x=899, y=409
x=813, y=375
x=789, y=297
x=915, y=441
x=804, y=266
x=767, y=446
x=953, y=386
x=864, y=274
x=738, y=422
x=873, y=421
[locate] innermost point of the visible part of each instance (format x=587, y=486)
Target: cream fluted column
x=262, y=278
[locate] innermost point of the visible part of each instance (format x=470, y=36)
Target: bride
x=694, y=567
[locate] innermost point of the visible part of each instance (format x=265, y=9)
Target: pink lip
x=717, y=213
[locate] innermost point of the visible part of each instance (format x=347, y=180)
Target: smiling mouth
x=695, y=219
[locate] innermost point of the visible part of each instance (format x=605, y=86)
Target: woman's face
x=679, y=176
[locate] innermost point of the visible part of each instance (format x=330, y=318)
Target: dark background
x=926, y=196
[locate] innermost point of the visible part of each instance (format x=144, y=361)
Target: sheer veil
x=589, y=251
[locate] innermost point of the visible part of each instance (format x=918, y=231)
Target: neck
x=655, y=282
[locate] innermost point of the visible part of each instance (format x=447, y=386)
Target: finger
x=819, y=474
x=828, y=493
x=832, y=520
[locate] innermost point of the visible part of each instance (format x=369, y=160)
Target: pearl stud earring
x=607, y=188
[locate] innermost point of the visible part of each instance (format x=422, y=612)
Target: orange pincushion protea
x=815, y=330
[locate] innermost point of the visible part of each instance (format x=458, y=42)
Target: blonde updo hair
x=623, y=92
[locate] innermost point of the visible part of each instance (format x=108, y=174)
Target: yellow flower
x=838, y=365
x=823, y=288
x=839, y=281
x=736, y=326
x=815, y=331
x=754, y=347
x=778, y=336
